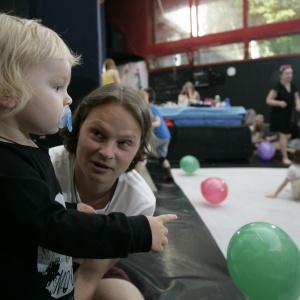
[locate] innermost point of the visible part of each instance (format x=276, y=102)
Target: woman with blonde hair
x=259, y=134
x=111, y=74
x=189, y=91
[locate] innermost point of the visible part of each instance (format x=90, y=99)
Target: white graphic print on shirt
x=55, y=269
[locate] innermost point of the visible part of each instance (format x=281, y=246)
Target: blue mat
x=200, y=116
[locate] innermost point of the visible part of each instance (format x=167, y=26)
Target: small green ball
x=189, y=164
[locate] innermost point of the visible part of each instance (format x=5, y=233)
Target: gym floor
x=193, y=266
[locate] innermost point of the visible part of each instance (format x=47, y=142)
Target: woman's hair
x=296, y=158
x=24, y=43
x=186, y=85
x=109, y=64
x=284, y=67
x=128, y=98
x=258, y=122
x=144, y=95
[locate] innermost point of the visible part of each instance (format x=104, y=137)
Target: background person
x=111, y=74
x=260, y=134
x=111, y=132
x=189, y=92
x=292, y=176
x=162, y=136
x=283, y=97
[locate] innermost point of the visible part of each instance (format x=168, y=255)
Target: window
x=169, y=61
x=262, y=12
x=275, y=46
x=219, y=53
x=219, y=16
x=171, y=22
x=180, y=21
x=210, y=31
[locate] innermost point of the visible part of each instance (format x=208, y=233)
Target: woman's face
x=287, y=75
x=108, y=141
x=189, y=86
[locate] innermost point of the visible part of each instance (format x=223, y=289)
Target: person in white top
x=111, y=133
x=292, y=176
x=132, y=194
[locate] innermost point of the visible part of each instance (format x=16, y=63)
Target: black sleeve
x=70, y=205
x=295, y=89
x=31, y=215
x=275, y=86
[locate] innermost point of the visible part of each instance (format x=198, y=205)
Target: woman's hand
x=282, y=104
x=85, y=208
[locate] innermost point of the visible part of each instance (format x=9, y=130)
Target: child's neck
x=13, y=135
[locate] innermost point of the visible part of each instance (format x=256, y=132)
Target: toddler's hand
x=159, y=231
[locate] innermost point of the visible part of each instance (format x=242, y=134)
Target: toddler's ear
x=7, y=102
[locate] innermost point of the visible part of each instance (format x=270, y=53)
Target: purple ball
x=266, y=150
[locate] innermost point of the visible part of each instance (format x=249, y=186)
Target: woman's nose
x=106, y=150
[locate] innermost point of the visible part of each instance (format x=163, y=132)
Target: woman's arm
x=88, y=275
x=115, y=76
x=156, y=121
x=125, y=73
x=272, y=101
x=196, y=95
x=297, y=101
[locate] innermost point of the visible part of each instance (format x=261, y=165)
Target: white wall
x=132, y=77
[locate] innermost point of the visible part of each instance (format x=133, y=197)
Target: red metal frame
x=221, y=63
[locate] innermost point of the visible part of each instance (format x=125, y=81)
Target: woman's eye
x=97, y=134
x=125, y=143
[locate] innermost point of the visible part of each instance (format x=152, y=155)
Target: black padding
x=191, y=266
x=210, y=142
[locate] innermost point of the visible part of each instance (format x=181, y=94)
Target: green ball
x=264, y=262
x=189, y=164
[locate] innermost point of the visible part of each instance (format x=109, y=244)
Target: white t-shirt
x=132, y=196
x=293, y=172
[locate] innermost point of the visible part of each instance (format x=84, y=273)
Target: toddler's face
x=49, y=82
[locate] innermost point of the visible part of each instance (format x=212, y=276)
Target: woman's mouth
x=101, y=166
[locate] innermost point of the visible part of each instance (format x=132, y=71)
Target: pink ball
x=214, y=190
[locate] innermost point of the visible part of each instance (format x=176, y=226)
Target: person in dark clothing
x=283, y=97
x=40, y=233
